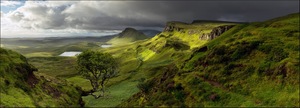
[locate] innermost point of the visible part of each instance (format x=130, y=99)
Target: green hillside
x=20, y=87
x=254, y=64
x=127, y=36
x=145, y=59
x=204, y=63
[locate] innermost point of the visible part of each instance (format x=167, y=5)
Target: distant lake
x=70, y=53
x=106, y=46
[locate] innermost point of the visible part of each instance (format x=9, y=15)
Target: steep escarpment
x=20, y=87
x=196, y=34
x=249, y=65
x=217, y=31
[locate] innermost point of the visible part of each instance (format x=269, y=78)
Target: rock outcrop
x=217, y=31
x=171, y=26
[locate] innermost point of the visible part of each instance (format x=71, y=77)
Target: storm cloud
x=111, y=15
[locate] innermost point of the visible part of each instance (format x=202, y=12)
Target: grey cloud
x=92, y=15
x=16, y=16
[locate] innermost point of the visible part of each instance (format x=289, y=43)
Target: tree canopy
x=98, y=68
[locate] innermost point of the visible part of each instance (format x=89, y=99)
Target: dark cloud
x=97, y=15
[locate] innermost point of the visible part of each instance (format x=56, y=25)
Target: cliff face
x=174, y=26
x=217, y=31
x=171, y=28
x=191, y=29
x=196, y=34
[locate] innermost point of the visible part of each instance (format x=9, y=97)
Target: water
x=70, y=54
x=106, y=46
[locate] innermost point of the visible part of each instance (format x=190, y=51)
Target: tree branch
x=95, y=96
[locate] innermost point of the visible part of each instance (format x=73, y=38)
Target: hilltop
x=128, y=35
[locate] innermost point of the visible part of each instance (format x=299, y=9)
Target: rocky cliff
x=199, y=29
x=217, y=31
x=175, y=26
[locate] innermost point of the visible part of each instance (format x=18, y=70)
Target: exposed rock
x=171, y=26
x=204, y=36
x=202, y=49
x=217, y=31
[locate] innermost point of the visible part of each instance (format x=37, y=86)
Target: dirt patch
x=213, y=83
x=53, y=91
x=32, y=80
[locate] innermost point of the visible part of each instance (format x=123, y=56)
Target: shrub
x=245, y=49
x=194, y=81
x=21, y=85
x=219, y=50
x=277, y=54
x=177, y=44
x=266, y=48
x=179, y=95
x=263, y=67
x=146, y=86
x=239, y=53
x=228, y=68
x=6, y=82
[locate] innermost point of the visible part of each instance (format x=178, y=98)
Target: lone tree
x=98, y=68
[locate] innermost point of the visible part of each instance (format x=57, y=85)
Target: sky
x=98, y=18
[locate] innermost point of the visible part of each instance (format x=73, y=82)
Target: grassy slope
x=250, y=65
x=21, y=88
x=141, y=59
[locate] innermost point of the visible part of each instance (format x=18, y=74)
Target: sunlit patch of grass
x=114, y=95
x=79, y=81
x=146, y=54
x=55, y=66
x=39, y=54
x=17, y=98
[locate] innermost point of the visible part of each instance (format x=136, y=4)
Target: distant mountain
x=128, y=35
x=150, y=33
